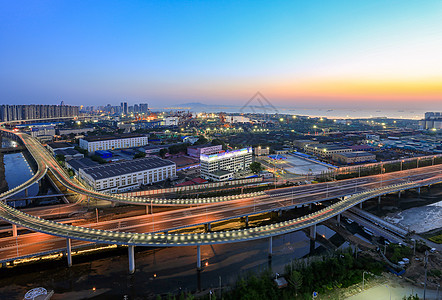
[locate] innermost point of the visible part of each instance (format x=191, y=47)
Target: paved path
x=398, y=290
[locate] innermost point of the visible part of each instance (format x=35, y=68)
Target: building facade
x=34, y=112
x=258, y=151
x=128, y=175
x=197, y=151
x=230, y=162
x=93, y=144
x=324, y=150
x=353, y=157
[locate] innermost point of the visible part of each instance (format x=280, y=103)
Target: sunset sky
x=297, y=53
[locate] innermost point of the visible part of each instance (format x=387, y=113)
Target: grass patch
x=437, y=239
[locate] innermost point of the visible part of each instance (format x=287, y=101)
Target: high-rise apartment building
x=35, y=112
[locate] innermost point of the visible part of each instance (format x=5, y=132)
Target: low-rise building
x=281, y=151
x=300, y=144
x=66, y=131
x=353, y=157
x=42, y=131
x=220, y=175
x=258, y=151
x=93, y=144
x=77, y=164
x=69, y=154
x=197, y=151
x=170, y=121
x=58, y=146
x=325, y=150
x=232, y=161
x=127, y=175
x=237, y=119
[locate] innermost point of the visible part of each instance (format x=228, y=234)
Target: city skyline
x=339, y=54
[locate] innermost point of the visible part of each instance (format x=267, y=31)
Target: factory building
x=93, y=144
x=128, y=175
x=325, y=151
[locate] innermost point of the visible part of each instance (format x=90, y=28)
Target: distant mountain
x=198, y=104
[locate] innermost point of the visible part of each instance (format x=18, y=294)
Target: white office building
x=227, y=162
x=128, y=175
x=93, y=143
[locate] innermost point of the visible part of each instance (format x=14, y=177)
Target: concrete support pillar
x=131, y=259
x=40, y=183
x=360, y=205
x=399, y=194
x=208, y=227
x=26, y=192
x=279, y=213
x=419, y=190
x=270, y=246
x=14, y=230
x=247, y=221
x=338, y=219
x=198, y=257
x=313, y=232
x=147, y=209
x=69, y=252
x=379, y=200
x=310, y=206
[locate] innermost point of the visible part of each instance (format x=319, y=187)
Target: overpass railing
x=169, y=239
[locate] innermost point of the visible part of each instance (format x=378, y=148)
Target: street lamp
x=389, y=290
x=363, y=278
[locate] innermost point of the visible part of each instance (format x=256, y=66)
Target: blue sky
x=169, y=52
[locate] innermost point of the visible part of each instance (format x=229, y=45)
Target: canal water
x=16, y=170
x=420, y=218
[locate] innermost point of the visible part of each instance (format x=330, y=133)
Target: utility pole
x=426, y=263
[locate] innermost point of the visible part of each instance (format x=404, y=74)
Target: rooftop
x=81, y=163
x=126, y=167
x=328, y=147
x=60, y=145
x=65, y=152
x=220, y=173
x=111, y=137
x=355, y=154
x=202, y=146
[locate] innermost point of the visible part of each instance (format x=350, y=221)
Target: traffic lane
x=174, y=215
x=385, y=178
x=54, y=245
x=259, y=205
x=339, y=207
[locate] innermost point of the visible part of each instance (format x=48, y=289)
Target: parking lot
x=298, y=165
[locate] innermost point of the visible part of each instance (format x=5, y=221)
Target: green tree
x=296, y=281
x=255, y=167
x=163, y=152
x=60, y=157
x=140, y=155
x=201, y=140
x=98, y=159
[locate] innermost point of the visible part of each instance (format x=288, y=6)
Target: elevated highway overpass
x=355, y=190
